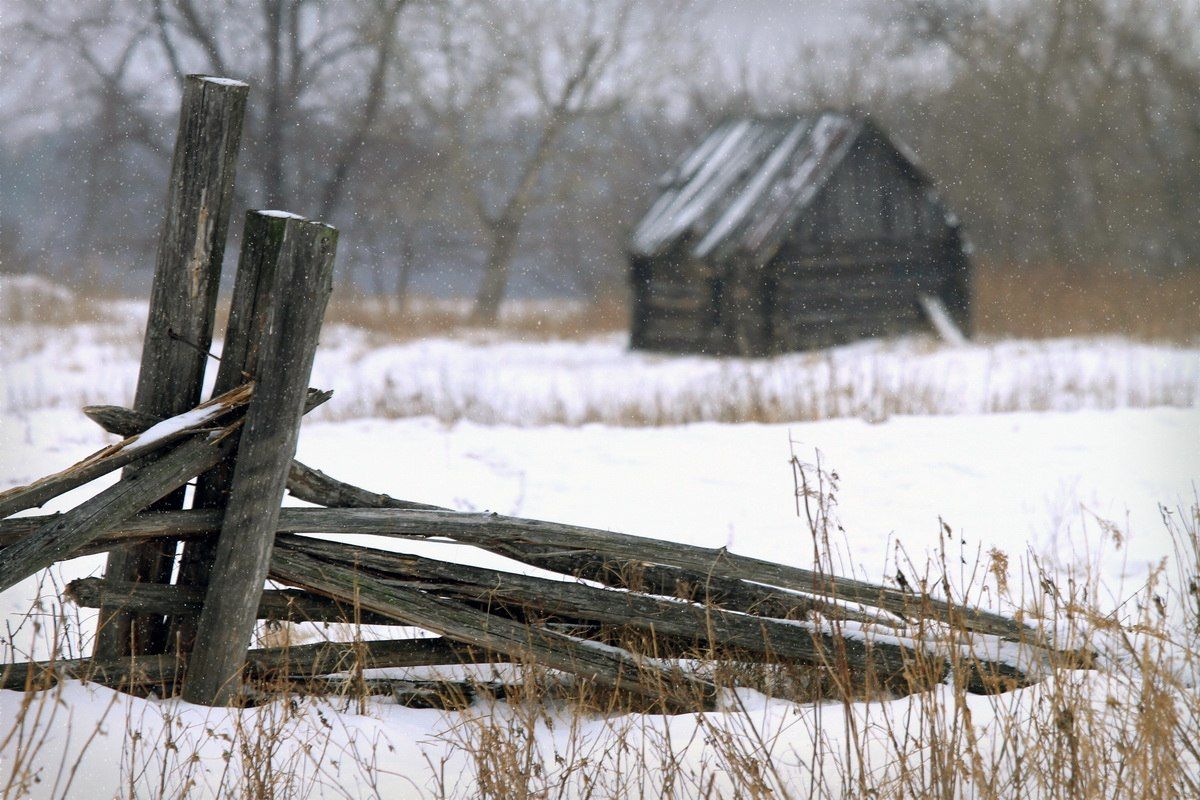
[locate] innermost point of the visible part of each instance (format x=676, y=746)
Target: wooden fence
x=626, y=613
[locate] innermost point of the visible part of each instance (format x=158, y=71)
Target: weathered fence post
x=187, y=274
x=299, y=292
x=249, y=319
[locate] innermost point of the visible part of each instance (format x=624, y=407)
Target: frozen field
x=1040, y=484
x=1061, y=451
x=600, y=381
x=477, y=378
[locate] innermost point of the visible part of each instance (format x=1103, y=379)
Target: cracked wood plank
x=187, y=276
x=299, y=290
x=136, y=445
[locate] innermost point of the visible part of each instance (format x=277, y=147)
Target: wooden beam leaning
x=126, y=422
x=573, y=549
x=300, y=661
x=300, y=290
x=254, y=291
x=64, y=534
x=187, y=275
x=134, y=530
x=137, y=445
x=614, y=559
x=303, y=482
x=313, y=486
x=278, y=605
x=715, y=628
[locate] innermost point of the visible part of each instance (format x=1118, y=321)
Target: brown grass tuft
x=425, y=317
x=1029, y=302
x=1046, y=301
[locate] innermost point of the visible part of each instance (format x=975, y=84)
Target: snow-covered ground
x=1109, y=432
x=501, y=381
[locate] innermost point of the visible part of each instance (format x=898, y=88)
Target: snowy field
x=1063, y=452
x=600, y=381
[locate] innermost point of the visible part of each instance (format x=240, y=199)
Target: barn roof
x=746, y=184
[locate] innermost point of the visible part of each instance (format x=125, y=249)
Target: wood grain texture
x=284, y=605
x=616, y=559
x=187, y=275
x=566, y=548
x=300, y=290
x=66, y=533
x=303, y=482
x=607, y=666
x=115, y=456
x=249, y=321
x=709, y=589
x=297, y=661
x=711, y=629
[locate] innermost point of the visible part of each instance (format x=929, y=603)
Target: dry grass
x=1047, y=301
x=30, y=299
x=424, y=317
x=1027, y=302
x=1017, y=301
x=1128, y=730
x=1131, y=733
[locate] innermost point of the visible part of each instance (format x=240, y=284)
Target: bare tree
x=525, y=71
x=323, y=69
x=1065, y=125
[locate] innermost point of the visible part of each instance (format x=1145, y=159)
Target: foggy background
x=449, y=137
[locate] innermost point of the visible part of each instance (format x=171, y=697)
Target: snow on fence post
x=299, y=291
x=249, y=318
x=187, y=274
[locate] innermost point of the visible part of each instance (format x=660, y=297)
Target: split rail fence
x=183, y=591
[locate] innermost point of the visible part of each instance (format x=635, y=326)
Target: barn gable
x=877, y=193
x=784, y=233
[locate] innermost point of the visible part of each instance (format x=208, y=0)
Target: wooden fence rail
x=297, y=293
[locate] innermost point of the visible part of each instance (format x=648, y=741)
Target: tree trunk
x=404, y=270
x=494, y=284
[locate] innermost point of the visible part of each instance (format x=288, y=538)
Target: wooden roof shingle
x=744, y=186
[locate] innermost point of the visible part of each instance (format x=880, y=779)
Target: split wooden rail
x=629, y=614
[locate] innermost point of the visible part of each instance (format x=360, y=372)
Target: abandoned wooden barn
x=778, y=234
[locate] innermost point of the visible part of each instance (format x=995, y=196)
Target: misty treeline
x=487, y=148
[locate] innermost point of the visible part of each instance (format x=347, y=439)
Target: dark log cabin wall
x=874, y=238
x=677, y=301
x=859, y=252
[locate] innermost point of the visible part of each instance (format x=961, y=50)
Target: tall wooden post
x=299, y=292
x=187, y=274
x=249, y=320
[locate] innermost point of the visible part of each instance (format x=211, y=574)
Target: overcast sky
x=770, y=29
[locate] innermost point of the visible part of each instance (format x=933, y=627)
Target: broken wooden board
x=275, y=605
x=65, y=534
x=303, y=482
x=604, y=556
x=878, y=654
x=137, y=445
x=939, y=318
